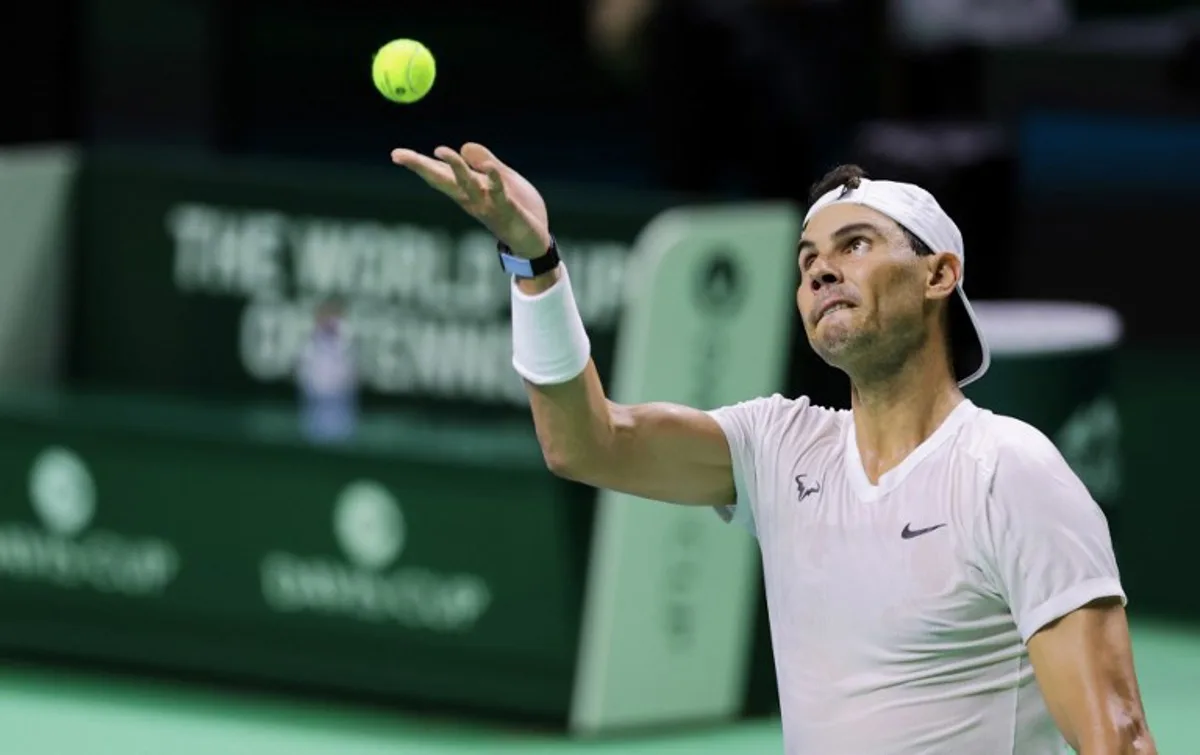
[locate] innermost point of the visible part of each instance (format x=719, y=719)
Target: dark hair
x=850, y=177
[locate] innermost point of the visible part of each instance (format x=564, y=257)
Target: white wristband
x=550, y=345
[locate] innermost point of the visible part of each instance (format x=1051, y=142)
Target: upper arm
x=1084, y=666
x=1047, y=543
x=666, y=452
x=674, y=453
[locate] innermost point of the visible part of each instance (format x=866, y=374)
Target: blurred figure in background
x=328, y=378
x=783, y=80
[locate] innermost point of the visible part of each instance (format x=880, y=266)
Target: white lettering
x=322, y=257
x=103, y=561
x=395, y=351
x=412, y=597
x=411, y=259
x=483, y=292
x=227, y=253
x=189, y=226
x=427, y=312
x=272, y=337
x=367, y=259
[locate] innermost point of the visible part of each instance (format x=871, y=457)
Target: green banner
x=433, y=561
x=202, y=277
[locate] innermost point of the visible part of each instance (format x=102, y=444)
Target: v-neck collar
x=894, y=476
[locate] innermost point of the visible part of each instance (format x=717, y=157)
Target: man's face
x=865, y=296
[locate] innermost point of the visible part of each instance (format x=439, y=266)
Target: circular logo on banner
x=721, y=288
x=62, y=491
x=1090, y=441
x=369, y=525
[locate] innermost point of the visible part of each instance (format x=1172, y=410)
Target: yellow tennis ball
x=404, y=70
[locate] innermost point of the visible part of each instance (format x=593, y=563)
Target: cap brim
x=971, y=355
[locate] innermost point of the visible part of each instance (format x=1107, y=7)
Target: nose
x=821, y=273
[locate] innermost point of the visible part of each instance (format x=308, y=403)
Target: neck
x=895, y=413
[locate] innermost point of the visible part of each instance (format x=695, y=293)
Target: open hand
x=490, y=191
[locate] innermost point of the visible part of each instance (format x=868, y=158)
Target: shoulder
x=1023, y=466
x=766, y=433
x=1005, y=445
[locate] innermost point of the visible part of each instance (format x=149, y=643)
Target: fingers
x=481, y=159
x=436, y=173
x=478, y=155
x=464, y=175
x=458, y=175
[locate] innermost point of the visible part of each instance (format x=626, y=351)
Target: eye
x=858, y=244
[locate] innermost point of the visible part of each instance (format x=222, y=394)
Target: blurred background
x=267, y=480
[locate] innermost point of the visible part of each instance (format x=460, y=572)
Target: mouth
x=833, y=305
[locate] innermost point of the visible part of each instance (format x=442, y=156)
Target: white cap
x=917, y=211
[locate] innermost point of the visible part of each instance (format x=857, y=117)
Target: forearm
x=1098, y=713
x=659, y=451
x=573, y=421
x=550, y=350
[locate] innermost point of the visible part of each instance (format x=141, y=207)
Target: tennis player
x=939, y=581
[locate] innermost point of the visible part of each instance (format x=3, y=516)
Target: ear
x=945, y=271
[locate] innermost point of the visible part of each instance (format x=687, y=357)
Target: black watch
x=523, y=268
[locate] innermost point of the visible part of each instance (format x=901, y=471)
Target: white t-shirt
x=899, y=611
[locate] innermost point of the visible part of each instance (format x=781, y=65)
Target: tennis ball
x=403, y=70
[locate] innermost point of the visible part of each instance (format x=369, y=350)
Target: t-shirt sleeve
x=746, y=426
x=1048, y=547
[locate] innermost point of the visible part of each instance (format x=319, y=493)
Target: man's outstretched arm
x=659, y=451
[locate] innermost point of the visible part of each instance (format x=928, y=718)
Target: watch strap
x=521, y=267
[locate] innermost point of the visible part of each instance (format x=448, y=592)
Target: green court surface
x=54, y=712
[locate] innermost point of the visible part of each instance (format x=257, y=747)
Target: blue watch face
x=518, y=266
